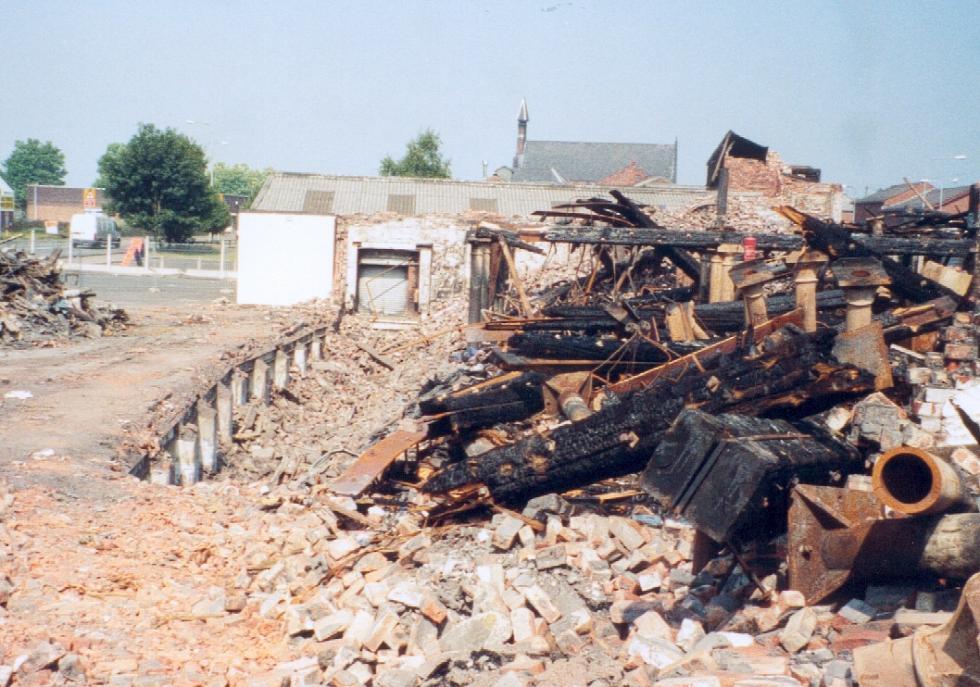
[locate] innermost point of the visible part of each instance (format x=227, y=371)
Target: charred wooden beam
x=837, y=242
x=900, y=245
x=718, y=317
x=643, y=236
x=596, y=348
x=619, y=438
x=484, y=404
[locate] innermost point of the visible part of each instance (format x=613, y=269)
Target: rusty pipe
x=573, y=406
x=915, y=482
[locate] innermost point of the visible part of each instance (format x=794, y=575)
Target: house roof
x=948, y=195
x=882, y=195
x=342, y=195
x=575, y=161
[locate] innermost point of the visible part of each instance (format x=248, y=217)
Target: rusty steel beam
x=372, y=464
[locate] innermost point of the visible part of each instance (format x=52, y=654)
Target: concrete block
x=258, y=383
x=542, y=603
x=239, y=388
x=188, y=459
x=207, y=437
x=280, y=370
x=224, y=407
x=299, y=358
x=799, y=629
x=857, y=611
x=506, y=532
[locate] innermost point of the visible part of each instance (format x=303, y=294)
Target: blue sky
x=869, y=92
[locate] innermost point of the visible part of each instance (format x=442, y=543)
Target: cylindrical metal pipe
x=915, y=482
x=573, y=406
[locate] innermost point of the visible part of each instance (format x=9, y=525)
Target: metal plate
x=371, y=464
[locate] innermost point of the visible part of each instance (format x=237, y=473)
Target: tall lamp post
x=942, y=183
x=208, y=146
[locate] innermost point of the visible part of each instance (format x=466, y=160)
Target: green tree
x=33, y=162
x=239, y=180
x=422, y=159
x=158, y=181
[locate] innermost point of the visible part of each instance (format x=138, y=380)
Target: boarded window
x=318, y=202
x=386, y=281
x=483, y=204
x=402, y=204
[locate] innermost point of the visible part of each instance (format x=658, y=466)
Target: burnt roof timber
x=644, y=236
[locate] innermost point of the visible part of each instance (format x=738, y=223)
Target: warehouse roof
x=346, y=195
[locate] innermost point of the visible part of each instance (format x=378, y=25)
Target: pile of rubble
x=36, y=306
x=702, y=461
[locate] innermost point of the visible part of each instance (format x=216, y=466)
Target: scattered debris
x=35, y=305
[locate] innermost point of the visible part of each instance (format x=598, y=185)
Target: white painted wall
x=284, y=259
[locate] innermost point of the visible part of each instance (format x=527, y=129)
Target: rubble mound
x=36, y=306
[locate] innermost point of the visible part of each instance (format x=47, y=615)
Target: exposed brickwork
x=58, y=203
x=630, y=175
x=771, y=179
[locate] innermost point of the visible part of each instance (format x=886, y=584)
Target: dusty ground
x=108, y=567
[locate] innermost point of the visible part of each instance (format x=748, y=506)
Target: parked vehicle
x=92, y=229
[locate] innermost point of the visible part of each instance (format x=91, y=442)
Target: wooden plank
x=514, y=277
x=371, y=464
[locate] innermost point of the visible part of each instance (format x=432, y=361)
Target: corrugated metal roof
x=287, y=192
x=590, y=162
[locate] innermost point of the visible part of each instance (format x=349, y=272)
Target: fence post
x=69, y=250
x=146, y=250
x=221, y=267
x=31, y=251
x=108, y=251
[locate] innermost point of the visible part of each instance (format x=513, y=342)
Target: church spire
x=522, y=119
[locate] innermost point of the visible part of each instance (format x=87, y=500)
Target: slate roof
x=344, y=195
x=573, y=161
x=883, y=194
x=949, y=195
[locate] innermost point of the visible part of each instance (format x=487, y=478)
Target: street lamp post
x=942, y=182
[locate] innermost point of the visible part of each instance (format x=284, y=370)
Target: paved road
x=127, y=291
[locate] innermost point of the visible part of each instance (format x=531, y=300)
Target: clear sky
x=867, y=91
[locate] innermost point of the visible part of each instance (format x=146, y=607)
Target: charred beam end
x=730, y=475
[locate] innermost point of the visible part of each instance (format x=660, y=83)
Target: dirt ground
x=106, y=567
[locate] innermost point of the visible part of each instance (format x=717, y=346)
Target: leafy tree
x=422, y=159
x=33, y=162
x=239, y=180
x=158, y=181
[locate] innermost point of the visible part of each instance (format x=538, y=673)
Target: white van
x=90, y=229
